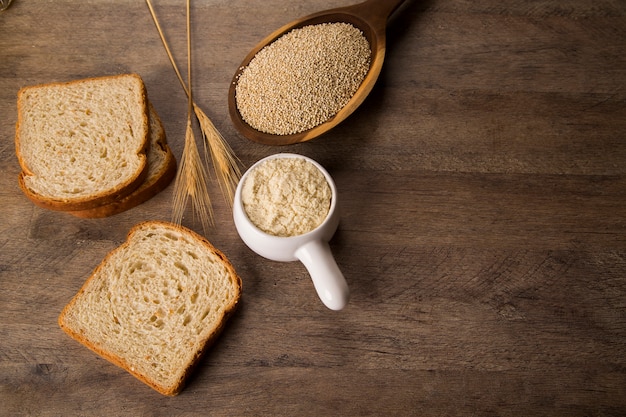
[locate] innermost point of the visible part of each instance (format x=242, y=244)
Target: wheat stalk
x=191, y=178
x=225, y=163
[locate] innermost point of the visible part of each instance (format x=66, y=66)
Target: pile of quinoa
x=303, y=78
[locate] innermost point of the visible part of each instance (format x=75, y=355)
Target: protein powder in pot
x=286, y=196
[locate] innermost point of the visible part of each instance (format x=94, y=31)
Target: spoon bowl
x=371, y=18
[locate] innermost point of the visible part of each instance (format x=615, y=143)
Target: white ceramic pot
x=310, y=248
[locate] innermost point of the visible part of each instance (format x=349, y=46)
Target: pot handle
x=329, y=282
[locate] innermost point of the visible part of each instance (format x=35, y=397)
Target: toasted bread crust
x=105, y=197
x=208, y=341
x=84, y=203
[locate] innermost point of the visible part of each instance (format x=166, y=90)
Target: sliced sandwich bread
x=155, y=304
x=161, y=172
x=83, y=143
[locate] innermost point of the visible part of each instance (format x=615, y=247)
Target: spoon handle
x=377, y=11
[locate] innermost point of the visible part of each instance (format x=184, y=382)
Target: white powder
x=286, y=196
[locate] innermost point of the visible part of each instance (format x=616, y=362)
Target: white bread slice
x=161, y=172
x=155, y=304
x=82, y=143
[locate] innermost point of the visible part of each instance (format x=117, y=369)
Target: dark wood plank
x=483, y=231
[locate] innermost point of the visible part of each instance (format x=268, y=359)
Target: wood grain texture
x=482, y=188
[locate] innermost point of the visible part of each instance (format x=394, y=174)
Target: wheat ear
x=225, y=163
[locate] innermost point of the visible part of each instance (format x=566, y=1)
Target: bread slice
x=155, y=304
x=83, y=143
x=161, y=172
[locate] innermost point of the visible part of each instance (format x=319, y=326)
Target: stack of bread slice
x=92, y=147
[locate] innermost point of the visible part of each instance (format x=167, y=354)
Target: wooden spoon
x=370, y=17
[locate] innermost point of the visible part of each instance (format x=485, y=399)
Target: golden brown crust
x=84, y=203
x=81, y=204
x=205, y=344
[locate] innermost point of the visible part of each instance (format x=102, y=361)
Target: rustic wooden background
x=483, y=229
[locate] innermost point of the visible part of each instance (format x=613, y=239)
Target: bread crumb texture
x=161, y=171
x=79, y=138
x=154, y=303
x=286, y=196
x=303, y=79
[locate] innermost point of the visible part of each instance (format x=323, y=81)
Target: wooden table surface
x=482, y=189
